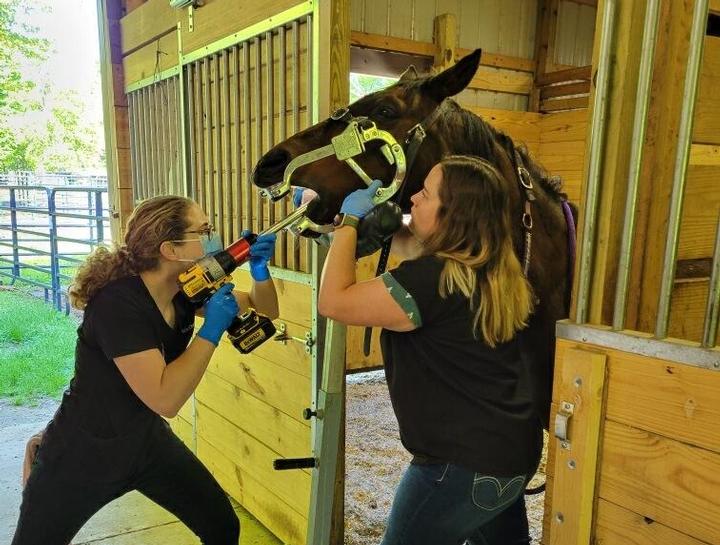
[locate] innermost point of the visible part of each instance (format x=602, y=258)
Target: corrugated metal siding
x=498, y=26
x=575, y=33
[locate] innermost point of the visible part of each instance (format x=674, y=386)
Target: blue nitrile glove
x=260, y=253
x=360, y=202
x=220, y=310
x=297, y=196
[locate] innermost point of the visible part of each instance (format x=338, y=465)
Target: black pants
x=59, y=498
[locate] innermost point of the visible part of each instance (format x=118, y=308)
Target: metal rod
x=198, y=137
x=207, y=135
x=712, y=311
x=237, y=155
x=270, y=111
x=597, y=144
x=294, y=255
x=228, y=186
x=218, y=194
x=257, y=96
x=642, y=102
x=247, y=185
x=282, y=106
x=697, y=40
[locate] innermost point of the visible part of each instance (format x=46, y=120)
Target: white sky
x=73, y=59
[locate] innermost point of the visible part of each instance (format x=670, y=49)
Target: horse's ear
x=409, y=74
x=453, y=80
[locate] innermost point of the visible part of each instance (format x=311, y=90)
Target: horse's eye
x=387, y=112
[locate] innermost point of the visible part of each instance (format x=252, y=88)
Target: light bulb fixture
x=179, y=4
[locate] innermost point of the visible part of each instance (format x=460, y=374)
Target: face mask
x=210, y=245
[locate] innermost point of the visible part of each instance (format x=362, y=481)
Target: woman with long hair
x=136, y=361
x=450, y=314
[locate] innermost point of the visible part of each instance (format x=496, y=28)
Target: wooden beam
x=555, y=105
x=546, y=10
x=445, y=38
x=565, y=89
x=715, y=6
x=426, y=49
x=115, y=118
x=592, y=3
x=572, y=74
x=517, y=83
x=146, y=23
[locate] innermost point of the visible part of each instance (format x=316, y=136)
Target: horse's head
x=396, y=110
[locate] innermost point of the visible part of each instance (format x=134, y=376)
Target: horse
x=543, y=232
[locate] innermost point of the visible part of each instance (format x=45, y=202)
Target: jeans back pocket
x=492, y=493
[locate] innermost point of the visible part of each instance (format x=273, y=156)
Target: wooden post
x=578, y=400
x=445, y=39
x=333, y=71
x=545, y=29
x=115, y=116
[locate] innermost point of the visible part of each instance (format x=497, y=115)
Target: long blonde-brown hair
x=473, y=236
x=152, y=222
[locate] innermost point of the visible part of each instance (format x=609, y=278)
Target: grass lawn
x=37, y=348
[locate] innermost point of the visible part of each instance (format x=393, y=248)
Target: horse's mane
x=476, y=137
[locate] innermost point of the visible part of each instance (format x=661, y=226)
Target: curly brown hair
x=152, y=222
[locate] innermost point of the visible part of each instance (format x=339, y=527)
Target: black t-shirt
x=456, y=399
x=121, y=319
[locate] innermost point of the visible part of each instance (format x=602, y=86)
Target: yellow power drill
x=199, y=282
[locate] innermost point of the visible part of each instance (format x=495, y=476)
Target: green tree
x=18, y=43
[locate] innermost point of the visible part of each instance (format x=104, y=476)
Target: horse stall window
x=242, y=101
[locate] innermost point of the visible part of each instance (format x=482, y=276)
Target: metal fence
x=47, y=230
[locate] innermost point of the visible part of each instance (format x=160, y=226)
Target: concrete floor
x=132, y=519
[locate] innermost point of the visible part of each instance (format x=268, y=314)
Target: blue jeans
x=446, y=504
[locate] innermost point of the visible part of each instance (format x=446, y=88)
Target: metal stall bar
x=294, y=256
x=208, y=176
x=642, y=102
x=134, y=144
x=218, y=219
x=199, y=155
x=162, y=114
x=697, y=40
x=257, y=144
x=247, y=186
x=227, y=185
x=712, y=311
x=237, y=146
x=269, y=111
x=147, y=144
x=597, y=144
x=282, y=106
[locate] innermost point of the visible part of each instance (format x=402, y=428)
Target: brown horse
x=453, y=130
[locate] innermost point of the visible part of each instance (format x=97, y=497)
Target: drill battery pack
x=250, y=330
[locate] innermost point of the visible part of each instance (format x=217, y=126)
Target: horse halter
x=526, y=184
x=347, y=145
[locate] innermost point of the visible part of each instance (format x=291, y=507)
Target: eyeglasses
x=208, y=231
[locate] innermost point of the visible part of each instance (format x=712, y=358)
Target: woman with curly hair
x=450, y=314
x=136, y=361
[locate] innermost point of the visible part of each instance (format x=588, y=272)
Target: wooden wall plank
x=283, y=520
x=706, y=128
x=284, y=435
x=153, y=58
x=618, y=526
x=687, y=310
x=217, y=19
x=147, y=22
x=669, y=482
x=287, y=391
x=700, y=212
x=253, y=458
x=665, y=398
x=564, y=127
x=522, y=127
